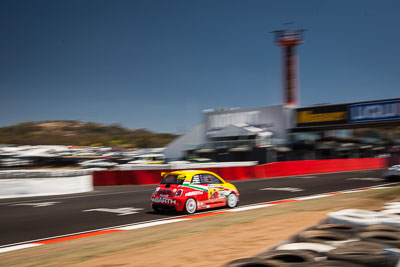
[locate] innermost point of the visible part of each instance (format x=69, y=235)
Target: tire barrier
x=253, y=262
x=327, y=263
x=150, y=174
x=392, y=211
x=323, y=236
x=307, y=246
x=341, y=228
x=392, y=205
x=387, y=238
x=362, y=217
x=392, y=208
x=288, y=256
x=363, y=244
x=365, y=256
x=381, y=228
x=350, y=237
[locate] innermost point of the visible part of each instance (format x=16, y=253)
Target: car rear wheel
x=232, y=201
x=190, y=206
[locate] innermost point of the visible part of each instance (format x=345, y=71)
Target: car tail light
x=179, y=193
x=155, y=191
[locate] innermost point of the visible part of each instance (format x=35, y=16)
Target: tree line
x=81, y=134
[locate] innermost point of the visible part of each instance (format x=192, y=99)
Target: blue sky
x=157, y=64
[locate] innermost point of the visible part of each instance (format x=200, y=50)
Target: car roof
x=191, y=172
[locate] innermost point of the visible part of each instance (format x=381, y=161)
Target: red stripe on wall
x=275, y=169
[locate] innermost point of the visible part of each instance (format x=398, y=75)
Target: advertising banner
x=269, y=118
x=376, y=111
x=321, y=115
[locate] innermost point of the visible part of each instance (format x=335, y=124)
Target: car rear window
x=173, y=179
x=205, y=178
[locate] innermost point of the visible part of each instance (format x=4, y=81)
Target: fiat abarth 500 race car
x=190, y=190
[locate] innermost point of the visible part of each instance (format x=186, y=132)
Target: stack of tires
x=346, y=238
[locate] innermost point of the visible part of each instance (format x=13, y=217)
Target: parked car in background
x=15, y=162
x=98, y=163
x=148, y=159
x=191, y=190
x=199, y=160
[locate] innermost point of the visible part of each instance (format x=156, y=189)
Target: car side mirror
x=162, y=174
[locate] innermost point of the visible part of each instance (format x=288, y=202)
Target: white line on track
x=118, y=211
x=7, y=249
x=251, y=207
x=36, y=204
x=312, y=197
x=138, y=226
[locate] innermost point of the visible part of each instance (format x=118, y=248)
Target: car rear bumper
x=167, y=203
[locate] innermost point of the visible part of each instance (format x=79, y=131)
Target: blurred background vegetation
x=63, y=132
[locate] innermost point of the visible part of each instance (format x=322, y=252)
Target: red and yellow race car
x=191, y=190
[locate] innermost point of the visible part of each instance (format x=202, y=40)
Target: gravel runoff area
x=209, y=241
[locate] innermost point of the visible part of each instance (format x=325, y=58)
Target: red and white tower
x=289, y=39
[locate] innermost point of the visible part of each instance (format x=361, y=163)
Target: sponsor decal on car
x=198, y=187
x=222, y=193
x=213, y=193
x=193, y=193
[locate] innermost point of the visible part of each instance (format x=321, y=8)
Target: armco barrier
x=276, y=169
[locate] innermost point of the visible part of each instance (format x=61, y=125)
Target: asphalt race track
x=28, y=219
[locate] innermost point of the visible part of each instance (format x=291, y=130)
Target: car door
x=216, y=191
x=198, y=190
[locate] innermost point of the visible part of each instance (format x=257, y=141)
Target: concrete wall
x=31, y=184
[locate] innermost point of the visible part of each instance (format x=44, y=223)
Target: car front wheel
x=190, y=206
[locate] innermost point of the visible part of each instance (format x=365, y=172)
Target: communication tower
x=288, y=40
